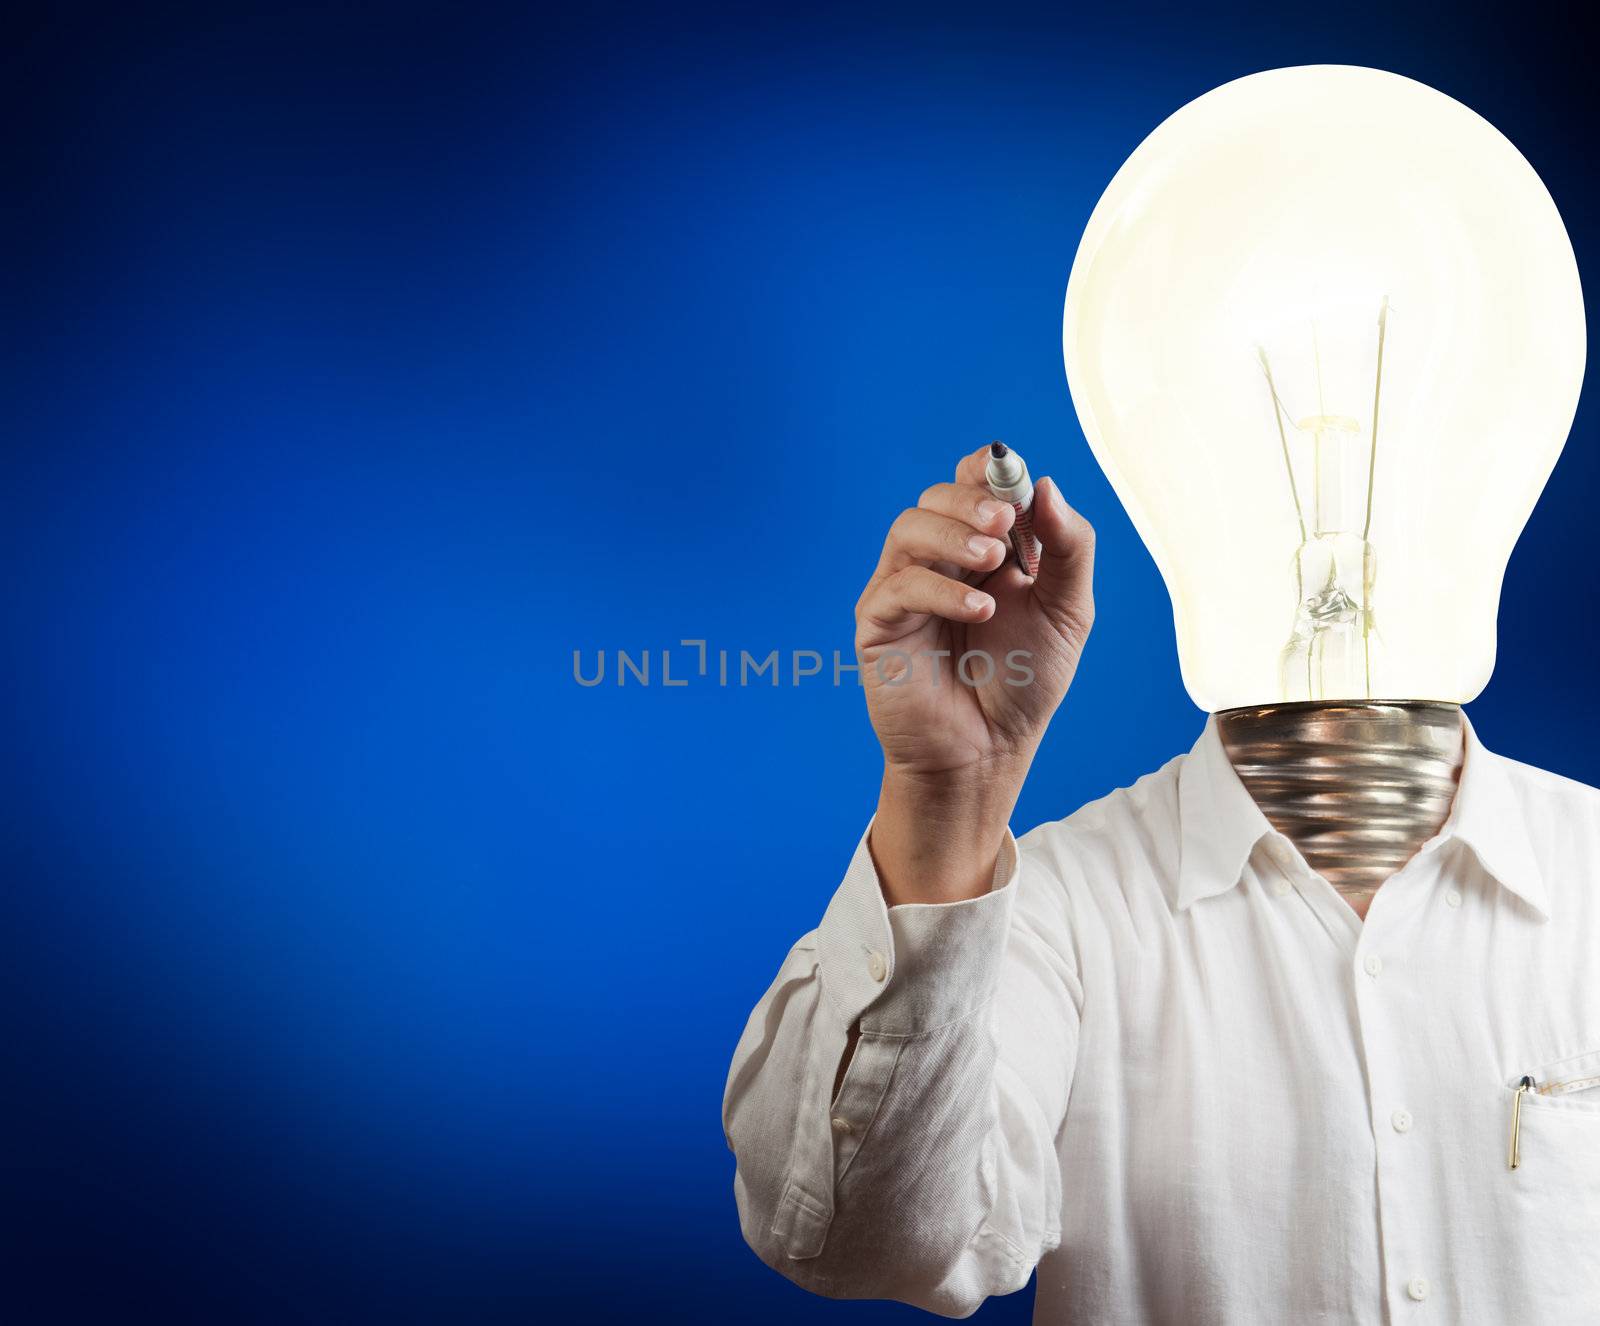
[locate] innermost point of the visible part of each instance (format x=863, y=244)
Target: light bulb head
x=1325, y=335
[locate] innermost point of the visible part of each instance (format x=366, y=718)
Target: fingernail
x=980, y=544
x=988, y=511
x=977, y=602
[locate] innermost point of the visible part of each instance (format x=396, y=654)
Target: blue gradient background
x=360, y=363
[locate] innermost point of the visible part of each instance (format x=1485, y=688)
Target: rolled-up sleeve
x=931, y=1177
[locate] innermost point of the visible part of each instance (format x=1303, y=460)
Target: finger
x=926, y=537
x=972, y=467
x=900, y=602
x=1065, y=583
x=972, y=503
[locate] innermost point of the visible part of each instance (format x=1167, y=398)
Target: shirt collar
x=1487, y=815
x=1220, y=823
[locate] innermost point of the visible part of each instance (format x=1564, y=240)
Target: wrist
x=937, y=838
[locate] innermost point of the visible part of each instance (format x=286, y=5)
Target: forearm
x=936, y=838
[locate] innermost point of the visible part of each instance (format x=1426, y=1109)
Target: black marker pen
x=1007, y=477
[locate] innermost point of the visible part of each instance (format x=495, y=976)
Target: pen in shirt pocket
x=1585, y=1081
x=1523, y=1088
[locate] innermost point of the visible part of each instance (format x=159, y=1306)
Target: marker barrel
x=1007, y=477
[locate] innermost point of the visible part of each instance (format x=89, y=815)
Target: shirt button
x=1417, y=1287
x=1279, y=887
x=1452, y=899
x=1373, y=965
x=841, y=1125
x=1281, y=852
x=1401, y=1119
x=877, y=968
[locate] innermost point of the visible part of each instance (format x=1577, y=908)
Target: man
x=1148, y=1049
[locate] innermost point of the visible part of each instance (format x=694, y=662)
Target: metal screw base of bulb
x=1357, y=785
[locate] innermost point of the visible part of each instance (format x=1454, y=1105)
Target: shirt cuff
x=916, y=966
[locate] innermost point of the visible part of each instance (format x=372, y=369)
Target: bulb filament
x=1333, y=642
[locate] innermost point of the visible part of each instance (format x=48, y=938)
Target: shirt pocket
x=1553, y=1206
x=1559, y=1100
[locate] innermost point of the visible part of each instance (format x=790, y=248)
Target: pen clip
x=1523, y=1087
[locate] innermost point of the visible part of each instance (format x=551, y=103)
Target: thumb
x=1065, y=583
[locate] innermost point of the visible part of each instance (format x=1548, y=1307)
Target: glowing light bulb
x=1325, y=336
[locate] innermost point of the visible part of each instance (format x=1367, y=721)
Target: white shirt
x=1164, y=1061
